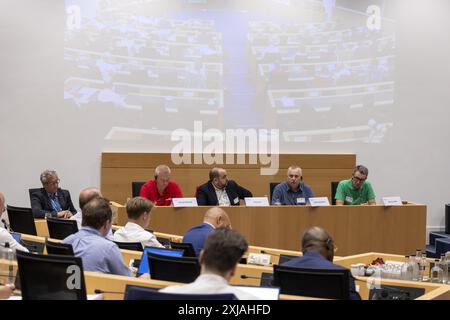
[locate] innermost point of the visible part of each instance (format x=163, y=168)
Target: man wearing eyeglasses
x=357, y=190
x=51, y=200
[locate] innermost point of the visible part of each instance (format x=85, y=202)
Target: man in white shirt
x=138, y=211
x=87, y=195
x=5, y=236
x=223, y=249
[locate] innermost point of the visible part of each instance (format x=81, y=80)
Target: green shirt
x=351, y=196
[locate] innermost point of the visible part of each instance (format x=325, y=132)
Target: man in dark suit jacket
x=214, y=218
x=51, y=200
x=318, y=253
x=220, y=191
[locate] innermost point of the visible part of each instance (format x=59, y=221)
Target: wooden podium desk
x=355, y=229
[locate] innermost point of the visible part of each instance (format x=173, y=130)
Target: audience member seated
x=214, y=218
x=51, y=201
x=318, y=253
x=356, y=190
x=6, y=291
x=138, y=211
x=161, y=191
x=293, y=192
x=5, y=236
x=223, y=250
x=220, y=191
x=98, y=253
x=85, y=196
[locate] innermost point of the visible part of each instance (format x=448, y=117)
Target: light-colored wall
x=37, y=133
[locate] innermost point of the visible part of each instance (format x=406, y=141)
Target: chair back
x=21, y=220
x=50, y=277
x=272, y=187
x=334, y=185
x=59, y=248
x=319, y=283
x=188, y=249
x=136, y=188
x=177, y=269
x=135, y=246
x=61, y=228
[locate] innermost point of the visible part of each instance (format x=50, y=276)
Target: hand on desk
x=66, y=214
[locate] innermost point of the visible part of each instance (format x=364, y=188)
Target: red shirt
x=150, y=191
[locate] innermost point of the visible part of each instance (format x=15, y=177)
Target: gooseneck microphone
x=272, y=254
x=99, y=291
x=243, y=276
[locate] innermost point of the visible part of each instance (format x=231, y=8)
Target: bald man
x=318, y=253
x=214, y=218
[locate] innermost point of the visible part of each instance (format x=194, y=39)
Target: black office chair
x=61, y=228
x=164, y=241
x=59, y=248
x=272, y=187
x=136, y=188
x=334, y=185
x=188, y=249
x=135, y=246
x=50, y=277
x=145, y=293
x=319, y=283
x=21, y=220
x=177, y=269
x=32, y=190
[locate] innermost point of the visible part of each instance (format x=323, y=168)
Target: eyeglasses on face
x=52, y=183
x=360, y=180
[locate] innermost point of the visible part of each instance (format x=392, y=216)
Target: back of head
x=217, y=217
x=223, y=249
x=137, y=206
x=87, y=195
x=318, y=240
x=96, y=213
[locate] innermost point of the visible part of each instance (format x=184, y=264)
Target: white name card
x=257, y=202
x=392, y=201
x=184, y=202
x=319, y=202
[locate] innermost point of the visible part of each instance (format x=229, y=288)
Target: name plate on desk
x=257, y=202
x=184, y=202
x=392, y=201
x=319, y=202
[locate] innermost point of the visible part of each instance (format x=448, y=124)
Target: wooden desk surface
x=355, y=229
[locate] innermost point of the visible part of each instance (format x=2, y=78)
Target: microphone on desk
x=272, y=254
x=99, y=291
x=243, y=276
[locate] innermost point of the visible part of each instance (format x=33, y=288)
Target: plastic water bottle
x=406, y=272
x=414, y=267
x=9, y=255
x=436, y=272
x=443, y=263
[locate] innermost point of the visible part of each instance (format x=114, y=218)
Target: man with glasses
x=51, y=200
x=356, y=190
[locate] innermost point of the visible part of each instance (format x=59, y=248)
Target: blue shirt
x=97, y=253
x=284, y=195
x=197, y=236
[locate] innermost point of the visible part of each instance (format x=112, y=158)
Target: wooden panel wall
x=120, y=169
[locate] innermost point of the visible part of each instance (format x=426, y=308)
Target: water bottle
x=406, y=272
x=415, y=268
x=447, y=260
x=423, y=267
x=9, y=256
x=436, y=272
x=444, y=266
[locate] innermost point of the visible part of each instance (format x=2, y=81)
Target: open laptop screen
x=145, y=268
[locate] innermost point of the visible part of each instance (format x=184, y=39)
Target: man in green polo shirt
x=356, y=190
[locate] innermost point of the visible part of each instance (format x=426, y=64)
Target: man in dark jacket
x=220, y=191
x=51, y=201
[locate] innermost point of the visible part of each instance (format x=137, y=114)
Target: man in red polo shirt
x=161, y=191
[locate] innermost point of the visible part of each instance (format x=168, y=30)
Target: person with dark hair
x=356, y=190
x=219, y=191
x=162, y=190
x=318, y=253
x=223, y=249
x=138, y=211
x=214, y=218
x=51, y=200
x=89, y=243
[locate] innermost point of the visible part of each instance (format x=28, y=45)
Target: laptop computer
x=145, y=268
